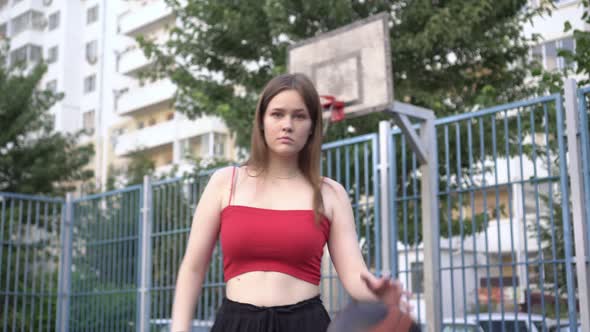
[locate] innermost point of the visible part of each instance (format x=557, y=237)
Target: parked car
x=563, y=327
x=509, y=321
x=460, y=324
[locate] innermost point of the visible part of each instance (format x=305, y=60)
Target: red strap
x=231, y=188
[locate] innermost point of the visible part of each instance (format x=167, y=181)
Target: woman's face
x=287, y=123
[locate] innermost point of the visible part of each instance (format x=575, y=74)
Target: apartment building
x=150, y=124
x=551, y=29
x=73, y=38
x=94, y=60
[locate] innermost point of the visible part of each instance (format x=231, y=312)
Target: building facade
x=551, y=30
x=149, y=124
x=93, y=59
x=72, y=38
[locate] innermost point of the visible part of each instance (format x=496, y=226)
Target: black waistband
x=230, y=305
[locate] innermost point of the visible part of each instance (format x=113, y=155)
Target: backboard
x=352, y=63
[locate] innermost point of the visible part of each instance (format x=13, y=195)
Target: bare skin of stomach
x=267, y=288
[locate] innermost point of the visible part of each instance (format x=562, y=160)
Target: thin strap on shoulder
x=231, y=187
x=234, y=180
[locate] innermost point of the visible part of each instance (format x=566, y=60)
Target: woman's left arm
x=344, y=248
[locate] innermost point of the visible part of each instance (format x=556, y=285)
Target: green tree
x=34, y=158
x=452, y=57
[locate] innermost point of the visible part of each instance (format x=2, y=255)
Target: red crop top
x=287, y=241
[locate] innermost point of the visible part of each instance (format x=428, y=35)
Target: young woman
x=274, y=215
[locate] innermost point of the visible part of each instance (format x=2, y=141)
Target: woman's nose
x=287, y=124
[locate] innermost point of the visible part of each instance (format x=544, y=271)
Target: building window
x=54, y=21
x=88, y=122
x=567, y=44
x=18, y=56
x=31, y=19
x=92, y=15
x=417, y=270
x=27, y=55
x=3, y=31
x=90, y=83
x=219, y=145
x=537, y=53
x=51, y=86
x=91, y=51
x=52, y=54
x=550, y=56
x=170, y=116
x=204, y=143
x=547, y=53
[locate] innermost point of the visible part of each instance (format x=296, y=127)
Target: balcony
x=24, y=5
x=146, y=97
x=144, y=18
x=165, y=133
x=25, y=37
x=132, y=61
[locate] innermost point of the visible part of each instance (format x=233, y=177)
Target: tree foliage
x=452, y=56
x=33, y=157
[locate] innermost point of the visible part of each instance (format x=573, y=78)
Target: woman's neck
x=282, y=168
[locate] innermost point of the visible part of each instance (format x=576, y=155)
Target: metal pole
x=578, y=199
x=425, y=148
x=384, y=134
x=430, y=226
x=65, y=271
x=145, y=257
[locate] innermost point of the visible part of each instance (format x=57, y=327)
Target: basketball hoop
x=350, y=68
x=336, y=109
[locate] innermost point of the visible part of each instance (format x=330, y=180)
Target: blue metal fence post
x=145, y=251
x=65, y=271
x=384, y=137
x=578, y=199
x=565, y=200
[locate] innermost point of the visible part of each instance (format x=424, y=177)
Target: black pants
x=305, y=316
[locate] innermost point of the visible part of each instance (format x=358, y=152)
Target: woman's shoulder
x=332, y=189
x=223, y=172
x=223, y=175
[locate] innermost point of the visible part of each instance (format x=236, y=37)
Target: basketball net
x=336, y=109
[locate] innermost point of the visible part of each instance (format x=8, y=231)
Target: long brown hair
x=309, y=156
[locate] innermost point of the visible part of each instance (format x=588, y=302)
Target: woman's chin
x=285, y=152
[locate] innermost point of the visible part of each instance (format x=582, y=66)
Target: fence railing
x=506, y=245
x=30, y=249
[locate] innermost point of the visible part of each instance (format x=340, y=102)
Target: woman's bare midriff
x=267, y=288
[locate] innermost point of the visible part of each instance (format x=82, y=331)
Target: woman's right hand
x=392, y=294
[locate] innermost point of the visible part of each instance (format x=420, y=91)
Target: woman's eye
x=275, y=114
